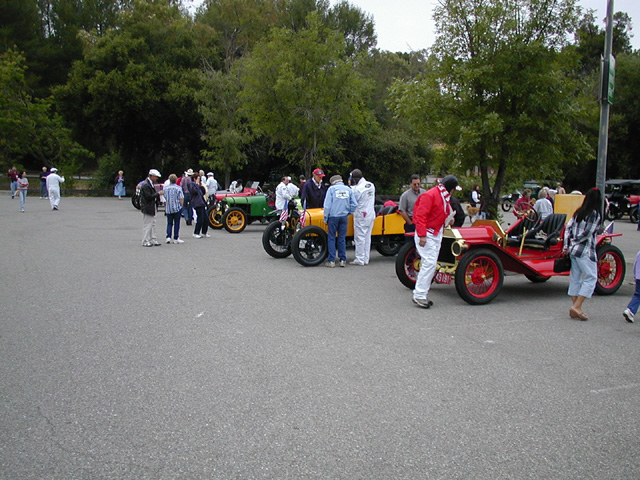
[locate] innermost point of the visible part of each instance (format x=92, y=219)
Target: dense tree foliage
x=498, y=93
x=259, y=88
x=29, y=127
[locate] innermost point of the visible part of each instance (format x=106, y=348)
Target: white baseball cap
x=154, y=172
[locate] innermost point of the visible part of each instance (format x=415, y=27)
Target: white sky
x=405, y=25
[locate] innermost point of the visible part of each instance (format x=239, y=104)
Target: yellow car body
x=390, y=224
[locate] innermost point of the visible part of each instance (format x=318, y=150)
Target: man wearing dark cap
x=314, y=190
x=431, y=214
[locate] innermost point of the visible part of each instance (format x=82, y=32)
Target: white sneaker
x=195, y=235
x=208, y=235
x=628, y=315
x=177, y=240
x=168, y=240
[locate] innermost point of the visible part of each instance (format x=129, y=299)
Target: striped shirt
x=172, y=195
x=580, y=237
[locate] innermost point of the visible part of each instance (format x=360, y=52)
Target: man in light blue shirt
x=338, y=204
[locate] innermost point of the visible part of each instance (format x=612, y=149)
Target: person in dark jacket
x=199, y=204
x=314, y=190
x=459, y=216
x=149, y=200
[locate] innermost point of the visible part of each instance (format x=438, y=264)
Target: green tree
x=299, y=90
x=29, y=128
x=134, y=91
x=497, y=94
x=225, y=132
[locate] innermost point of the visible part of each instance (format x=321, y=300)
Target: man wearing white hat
x=53, y=187
x=149, y=200
x=212, y=184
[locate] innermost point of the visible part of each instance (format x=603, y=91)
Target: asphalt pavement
x=212, y=360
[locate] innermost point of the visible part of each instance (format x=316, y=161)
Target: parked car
x=310, y=244
x=218, y=204
x=622, y=196
x=475, y=258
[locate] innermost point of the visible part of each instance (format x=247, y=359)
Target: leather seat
x=552, y=226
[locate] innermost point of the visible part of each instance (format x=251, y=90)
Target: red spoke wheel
x=611, y=270
x=479, y=276
x=408, y=265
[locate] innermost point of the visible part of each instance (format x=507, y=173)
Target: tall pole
x=608, y=69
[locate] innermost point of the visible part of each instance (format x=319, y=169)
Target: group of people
x=182, y=196
x=49, y=186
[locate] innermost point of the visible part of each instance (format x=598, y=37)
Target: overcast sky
x=405, y=25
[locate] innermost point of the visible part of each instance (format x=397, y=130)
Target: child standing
x=632, y=308
x=23, y=186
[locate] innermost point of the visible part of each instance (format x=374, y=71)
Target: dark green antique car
x=238, y=212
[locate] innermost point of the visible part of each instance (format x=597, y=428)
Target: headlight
x=459, y=247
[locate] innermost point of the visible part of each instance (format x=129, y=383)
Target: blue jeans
x=43, y=190
x=339, y=225
x=13, y=186
x=187, y=211
x=173, y=223
x=583, y=276
x=23, y=197
x=635, y=300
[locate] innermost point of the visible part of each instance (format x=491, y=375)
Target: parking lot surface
x=211, y=359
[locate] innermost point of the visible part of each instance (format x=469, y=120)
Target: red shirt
x=429, y=212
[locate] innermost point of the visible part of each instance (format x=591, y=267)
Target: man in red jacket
x=431, y=213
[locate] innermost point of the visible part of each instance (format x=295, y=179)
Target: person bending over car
x=431, y=213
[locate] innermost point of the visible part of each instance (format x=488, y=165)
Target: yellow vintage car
x=310, y=244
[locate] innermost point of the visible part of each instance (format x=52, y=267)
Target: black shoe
x=423, y=302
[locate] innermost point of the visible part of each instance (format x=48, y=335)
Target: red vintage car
x=475, y=258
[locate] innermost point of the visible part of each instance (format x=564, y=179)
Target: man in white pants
x=431, y=213
x=363, y=217
x=53, y=187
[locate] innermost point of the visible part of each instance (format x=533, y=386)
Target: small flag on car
x=303, y=216
x=284, y=215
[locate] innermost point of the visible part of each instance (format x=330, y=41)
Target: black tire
x=310, y=246
x=408, y=265
x=215, y=217
x=611, y=269
x=234, y=220
x=479, y=276
x=389, y=246
x=135, y=201
x=634, y=215
x=506, y=206
x=610, y=215
x=537, y=278
x=277, y=241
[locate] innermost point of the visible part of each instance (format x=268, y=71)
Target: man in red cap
x=314, y=191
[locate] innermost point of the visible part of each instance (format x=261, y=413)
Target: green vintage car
x=238, y=212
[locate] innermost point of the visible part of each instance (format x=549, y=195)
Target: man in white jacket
x=283, y=194
x=363, y=217
x=53, y=187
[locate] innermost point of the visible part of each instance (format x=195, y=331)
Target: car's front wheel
x=276, y=240
x=234, y=220
x=389, y=245
x=611, y=270
x=479, y=276
x=310, y=246
x=408, y=264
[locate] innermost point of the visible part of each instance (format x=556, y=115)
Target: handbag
x=562, y=264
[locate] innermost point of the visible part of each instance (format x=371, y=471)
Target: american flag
x=303, y=216
x=284, y=215
x=609, y=229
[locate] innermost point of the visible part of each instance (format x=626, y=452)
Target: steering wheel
x=528, y=213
